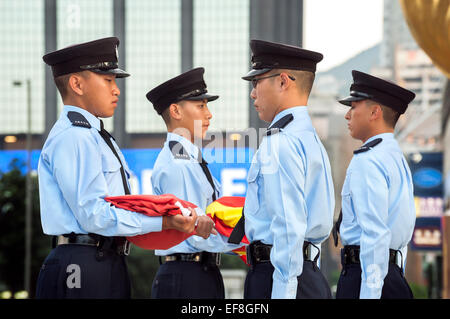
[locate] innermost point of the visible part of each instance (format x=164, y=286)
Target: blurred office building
x=404, y=62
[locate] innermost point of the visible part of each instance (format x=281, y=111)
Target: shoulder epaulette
x=78, y=119
x=178, y=150
x=368, y=146
x=281, y=123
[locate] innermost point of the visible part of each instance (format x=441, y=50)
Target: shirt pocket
x=253, y=173
x=347, y=206
x=253, y=189
x=346, y=187
x=110, y=165
x=207, y=191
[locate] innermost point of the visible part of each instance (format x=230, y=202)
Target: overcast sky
x=340, y=29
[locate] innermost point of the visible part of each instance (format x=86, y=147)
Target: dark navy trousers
x=395, y=285
x=188, y=279
x=312, y=284
x=76, y=271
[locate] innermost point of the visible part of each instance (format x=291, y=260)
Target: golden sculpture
x=429, y=23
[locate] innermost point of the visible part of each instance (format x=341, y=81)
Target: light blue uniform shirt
x=378, y=210
x=184, y=178
x=290, y=197
x=76, y=171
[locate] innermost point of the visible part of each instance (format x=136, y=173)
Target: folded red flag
x=225, y=212
x=154, y=205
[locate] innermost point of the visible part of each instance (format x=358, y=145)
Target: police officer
x=290, y=197
x=79, y=165
x=378, y=214
x=190, y=269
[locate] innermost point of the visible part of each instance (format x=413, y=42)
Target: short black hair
x=390, y=116
x=166, y=113
x=62, y=82
x=304, y=80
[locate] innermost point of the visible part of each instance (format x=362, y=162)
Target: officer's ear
x=376, y=111
x=284, y=80
x=76, y=83
x=175, y=111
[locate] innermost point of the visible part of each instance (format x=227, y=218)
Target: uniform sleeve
x=77, y=168
x=369, y=192
x=284, y=180
x=177, y=179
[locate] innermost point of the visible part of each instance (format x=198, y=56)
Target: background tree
x=12, y=230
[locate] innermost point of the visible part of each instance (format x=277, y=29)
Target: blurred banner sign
x=228, y=165
x=427, y=234
x=426, y=170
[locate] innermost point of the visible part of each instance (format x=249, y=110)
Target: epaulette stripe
x=178, y=150
x=78, y=119
x=281, y=123
x=368, y=146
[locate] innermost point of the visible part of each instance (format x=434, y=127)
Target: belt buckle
x=170, y=258
x=197, y=257
x=62, y=240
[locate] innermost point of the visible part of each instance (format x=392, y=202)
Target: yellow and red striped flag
x=226, y=212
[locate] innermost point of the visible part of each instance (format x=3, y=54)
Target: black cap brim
x=202, y=97
x=349, y=99
x=254, y=72
x=117, y=72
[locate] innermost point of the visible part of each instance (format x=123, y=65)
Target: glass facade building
x=153, y=45
x=22, y=30
x=221, y=46
x=153, y=51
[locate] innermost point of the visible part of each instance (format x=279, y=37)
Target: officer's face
x=265, y=97
x=358, y=117
x=195, y=117
x=101, y=94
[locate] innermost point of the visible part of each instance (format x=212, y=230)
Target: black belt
x=350, y=255
x=120, y=245
x=207, y=258
x=258, y=252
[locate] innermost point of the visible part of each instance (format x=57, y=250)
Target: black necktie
x=107, y=137
x=239, y=230
x=204, y=166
